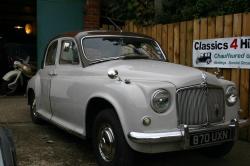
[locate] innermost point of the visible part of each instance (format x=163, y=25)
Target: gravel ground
x=47, y=145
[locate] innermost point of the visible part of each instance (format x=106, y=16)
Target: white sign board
x=222, y=52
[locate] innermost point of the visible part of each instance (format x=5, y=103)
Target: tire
x=208, y=61
x=217, y=151
x=33, y=113
x=109, y=144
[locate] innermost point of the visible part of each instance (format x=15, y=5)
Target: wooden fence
x=177, y=38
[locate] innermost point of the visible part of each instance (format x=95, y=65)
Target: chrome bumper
x=183, y=134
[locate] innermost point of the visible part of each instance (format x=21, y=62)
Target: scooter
x=17, y=77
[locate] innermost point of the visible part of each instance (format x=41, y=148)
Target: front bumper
x=182, y=135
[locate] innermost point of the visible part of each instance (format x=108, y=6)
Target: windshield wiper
x=105, y=60
x=133, y=56
x=124, y=56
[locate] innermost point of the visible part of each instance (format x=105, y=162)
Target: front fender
x=121, y=97
x=13, y=74
x=132, y=104
x=10, y=74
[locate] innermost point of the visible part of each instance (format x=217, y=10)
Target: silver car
x=119, y=90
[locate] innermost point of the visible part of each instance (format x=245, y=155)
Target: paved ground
x=46, y=145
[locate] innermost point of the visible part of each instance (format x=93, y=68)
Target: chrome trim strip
x=79, y=135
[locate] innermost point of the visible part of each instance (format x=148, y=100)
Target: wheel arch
x=33, y=86
x=30, y=94
x=94, y=106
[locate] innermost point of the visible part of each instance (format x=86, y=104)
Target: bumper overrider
x=184, y=134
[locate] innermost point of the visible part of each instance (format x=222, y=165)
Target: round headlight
x=160, y=101
x=231, y=95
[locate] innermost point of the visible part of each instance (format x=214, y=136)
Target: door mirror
x=112, y=73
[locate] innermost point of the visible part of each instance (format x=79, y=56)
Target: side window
x=51, y=54
x=69, y=53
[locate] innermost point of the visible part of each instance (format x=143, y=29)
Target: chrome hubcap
x=106, y=143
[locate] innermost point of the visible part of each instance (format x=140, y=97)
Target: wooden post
x=159, y=33
x=190, y=32
x=228, y=31
x=211, y=33
x=164, y=39
x=177, y=43
x=183, y=42
x=171, y=42
x=237, y=29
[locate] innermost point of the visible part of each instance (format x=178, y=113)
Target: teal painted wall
x=55, y=17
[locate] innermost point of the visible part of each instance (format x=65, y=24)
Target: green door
x=55, y=17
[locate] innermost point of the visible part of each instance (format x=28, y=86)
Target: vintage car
x=118, y=89
x=204, y=58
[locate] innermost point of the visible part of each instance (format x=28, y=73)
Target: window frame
x=46, y=54
x=90, y=62
x=61, y=47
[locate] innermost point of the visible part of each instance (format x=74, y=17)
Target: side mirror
x=112, y=73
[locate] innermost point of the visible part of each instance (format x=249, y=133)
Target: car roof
x=82, y=34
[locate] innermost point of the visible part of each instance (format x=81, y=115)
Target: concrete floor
x=46, y=145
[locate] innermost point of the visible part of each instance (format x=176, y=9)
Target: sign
x=222, y=53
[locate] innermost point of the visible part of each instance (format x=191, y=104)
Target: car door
x=65, y=97
x=46, y=74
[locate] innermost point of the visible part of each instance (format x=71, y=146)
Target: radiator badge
x=204, y=77
x=204, y=80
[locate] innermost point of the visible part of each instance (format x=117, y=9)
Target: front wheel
x=109, y=143
x=217, y=151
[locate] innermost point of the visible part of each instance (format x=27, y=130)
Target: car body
x=117, y=86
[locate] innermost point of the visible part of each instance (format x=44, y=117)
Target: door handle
x=52, y=73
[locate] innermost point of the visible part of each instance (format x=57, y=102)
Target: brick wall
x=92, y=15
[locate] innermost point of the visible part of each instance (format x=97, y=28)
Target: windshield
x=105, y=48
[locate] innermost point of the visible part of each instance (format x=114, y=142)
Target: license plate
x=209, y=137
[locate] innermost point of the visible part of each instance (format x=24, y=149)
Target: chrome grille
x=199, y=105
